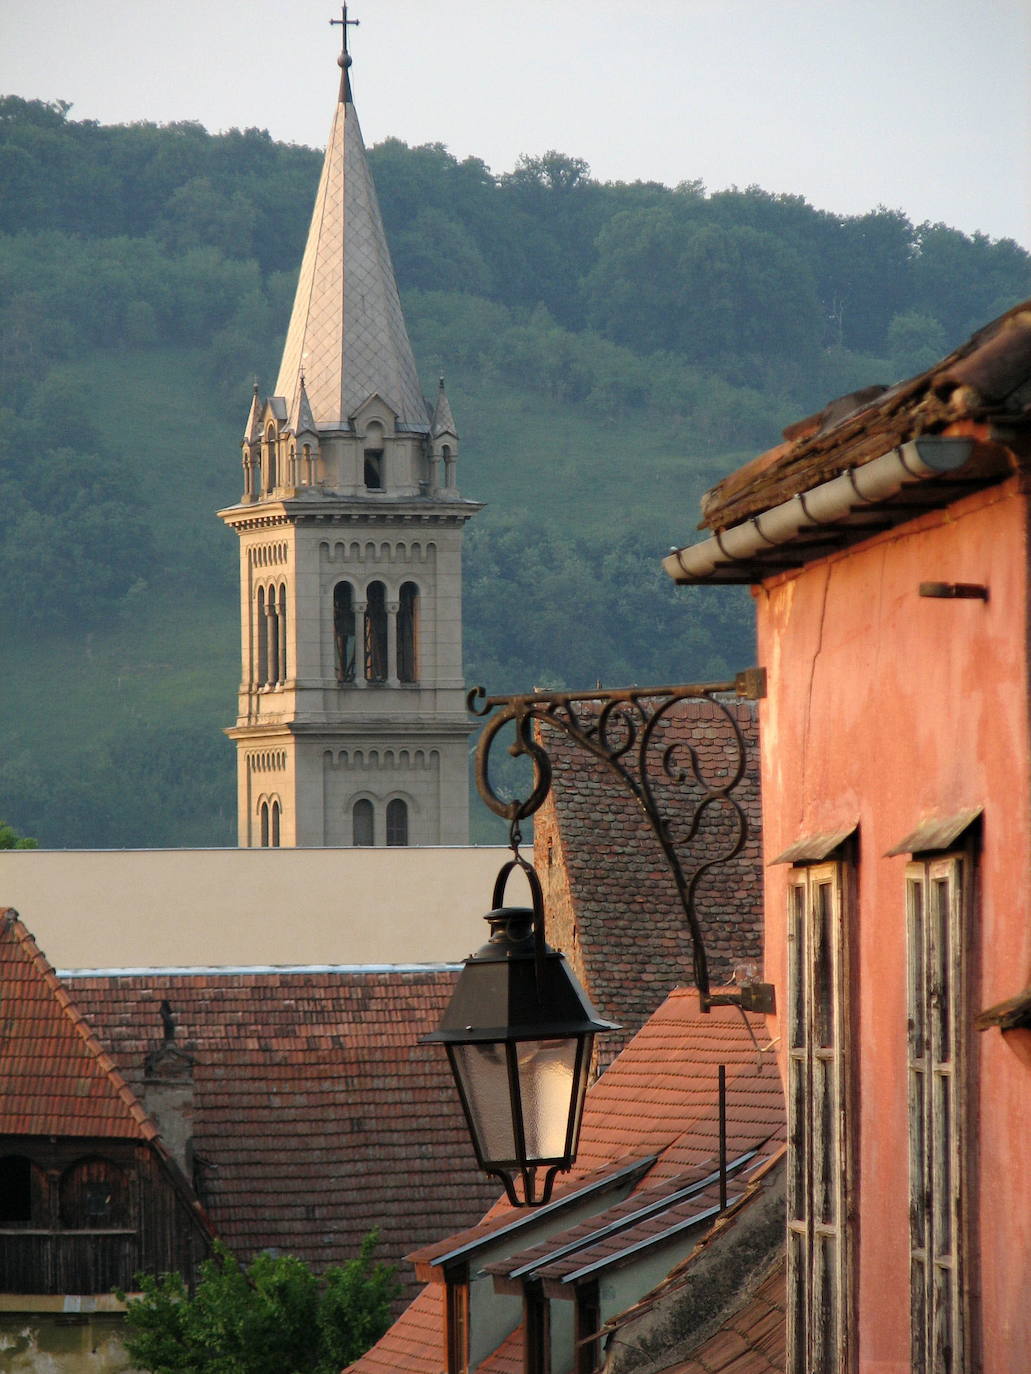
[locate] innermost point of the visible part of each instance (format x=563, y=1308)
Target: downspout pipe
x=830, y=503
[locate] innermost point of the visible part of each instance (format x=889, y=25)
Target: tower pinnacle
x=344, y=60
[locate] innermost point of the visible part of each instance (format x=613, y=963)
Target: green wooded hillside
x=610, y=351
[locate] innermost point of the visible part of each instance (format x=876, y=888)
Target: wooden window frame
x=456, y=1325
x=939, y=901
x=587, y=1328
x=537, y=1331
x=820, y=897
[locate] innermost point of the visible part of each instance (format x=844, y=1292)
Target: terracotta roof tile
x=317, y=1116
x=57, y=1078
x=508, y=1358
x=415, y=1342
x=752, y=1340
x=658, y=1097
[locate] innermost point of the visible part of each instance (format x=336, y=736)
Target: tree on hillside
x=10, y=839
x=273, y=1316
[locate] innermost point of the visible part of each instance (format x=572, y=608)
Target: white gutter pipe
x=830, y=503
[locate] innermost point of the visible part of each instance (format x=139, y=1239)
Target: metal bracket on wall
x=623, y=729
x=954, y=591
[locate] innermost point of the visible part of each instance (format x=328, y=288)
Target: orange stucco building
x=887, y=544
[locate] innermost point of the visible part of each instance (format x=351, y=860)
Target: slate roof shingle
x=612, y=903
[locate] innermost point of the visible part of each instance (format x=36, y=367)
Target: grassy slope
x=169, y=661
x=524, y=453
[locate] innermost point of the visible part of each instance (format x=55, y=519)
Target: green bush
x=273, y=1317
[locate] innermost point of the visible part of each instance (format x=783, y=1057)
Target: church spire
x=347, y=333
x=344, y=60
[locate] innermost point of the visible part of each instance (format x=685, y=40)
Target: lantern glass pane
x=546, y=1069
x=483, y=1070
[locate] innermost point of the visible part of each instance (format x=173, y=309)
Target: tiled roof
x=57, y=1078
x=986, y=378
x=649, y=1215
x=415, y=1342
x=751, y=1341
x=612, y=904
x=508, y=1358
x=317, y=1115
x=658, y=1097
x=502, y=1219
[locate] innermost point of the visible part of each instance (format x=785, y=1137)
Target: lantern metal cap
x=510, y=1002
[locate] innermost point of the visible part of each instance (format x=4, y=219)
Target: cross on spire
x=344, y=22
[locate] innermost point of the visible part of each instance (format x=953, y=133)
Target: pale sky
x=920, y=105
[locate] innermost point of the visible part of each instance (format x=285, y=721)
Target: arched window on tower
x=373, y=458
x=376, y=633
x=274, y=814
x=261, y=641
x=263, y=824
x=397, y=822
x=281, y=632
x=408, y=633
x=271, y=475
x=343, y=631
x=363, y=832
x=272, y=616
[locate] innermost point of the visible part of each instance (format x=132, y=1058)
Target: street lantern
x=519, y=1031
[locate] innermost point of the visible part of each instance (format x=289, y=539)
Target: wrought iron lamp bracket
x=619, y=727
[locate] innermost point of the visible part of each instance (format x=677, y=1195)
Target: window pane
x=823, y=966
x=798, y=1326
x=918, y=1314
x=20, y=1191
x=343, y=631
x=397, y=822
x=483, y=1071
x=407, y=632
x=376, y=633
x=941, y=990
x=798, y=1137
x=917, y=1158
x=917, y=997
x=941, y=1161
x=943, y=1334
x=546, y=1088
x=363, y=832
x=825, y=1151
x=796, y=964
x=825, y=1304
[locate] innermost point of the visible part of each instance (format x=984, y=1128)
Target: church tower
x=352, y=727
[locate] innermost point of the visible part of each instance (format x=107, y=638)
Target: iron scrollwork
x=623, y=728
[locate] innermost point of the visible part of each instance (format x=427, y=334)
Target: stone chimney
x=168, y=1093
